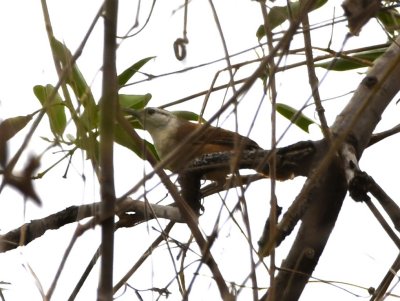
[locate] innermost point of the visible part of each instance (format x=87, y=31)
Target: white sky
x=358, y=253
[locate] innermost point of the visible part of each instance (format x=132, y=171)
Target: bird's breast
x=164, y=144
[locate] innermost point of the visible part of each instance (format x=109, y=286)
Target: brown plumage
x=168, y=130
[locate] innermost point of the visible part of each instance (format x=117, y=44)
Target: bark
x=108, y=106
x=323, y=201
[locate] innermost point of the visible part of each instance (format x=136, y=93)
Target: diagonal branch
x=28, y=232
x=327, y=190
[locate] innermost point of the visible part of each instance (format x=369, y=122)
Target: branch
x=291, y=161
x=108, y=106
x=380, y=292
x=294, y=160
x=355, y=125
x=383, y=135
x=28, y=232
x=362, y=183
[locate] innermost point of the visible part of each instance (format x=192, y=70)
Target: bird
x=168, y=131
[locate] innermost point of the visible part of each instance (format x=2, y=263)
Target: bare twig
x=145, y=255
x=227, y=56
x=362, y=183
x=85, y=274
x=188, y=214
x=383, y=135
x=380, y=292
x=313, y=80
x=272, y=160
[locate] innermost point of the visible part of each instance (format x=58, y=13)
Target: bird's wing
x=229, y=138
x=218, y=136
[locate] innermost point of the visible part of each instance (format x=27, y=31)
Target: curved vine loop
x=180, y=48
x=180, y=43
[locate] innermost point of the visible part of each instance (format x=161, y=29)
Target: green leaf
x=299, y=119
x=54, y=107
x=8, y=129
x=89, y=144
x=360, y=60
x=11, y=126
x=390, y=19
x=134, y=101
x=279, y=14
x=126, y=75
x=75, y=78
x=124, y=139
x=187, y=115
x=77, y=82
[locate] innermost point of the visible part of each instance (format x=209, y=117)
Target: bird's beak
x=133, y=112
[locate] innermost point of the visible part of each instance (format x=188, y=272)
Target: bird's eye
x=151, y=111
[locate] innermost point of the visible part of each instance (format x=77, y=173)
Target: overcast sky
x=358, y=253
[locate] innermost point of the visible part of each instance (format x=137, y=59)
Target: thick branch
x=355, y=124
x=361, y=115
x=291, y=161
x=294, y=160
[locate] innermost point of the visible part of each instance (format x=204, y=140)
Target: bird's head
x=154, y=119
x=161, y=125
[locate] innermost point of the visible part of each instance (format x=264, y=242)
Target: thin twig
x=381, y=290
x=389, y=231
x=383, y=135
x=67, y=251
x=145, y=255
x=85, y=274
x=271, y=72
x=390, y=206
x=313, y=80
x=226, y=52
x=189, y=216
